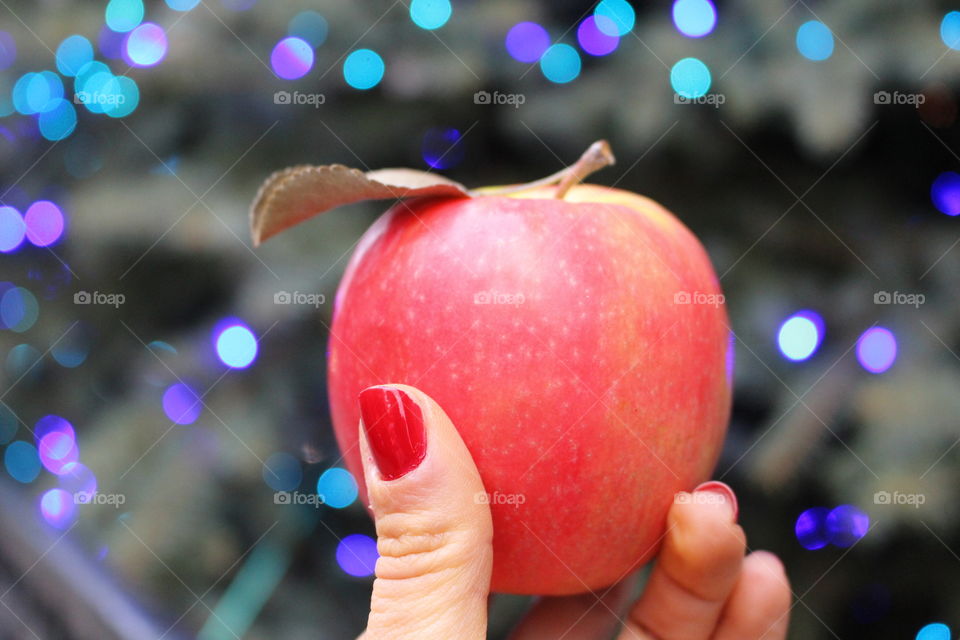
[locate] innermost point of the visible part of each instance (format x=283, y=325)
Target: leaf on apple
x=293, y=195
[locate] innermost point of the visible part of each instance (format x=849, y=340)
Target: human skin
x=594, y=400
x=436, y=552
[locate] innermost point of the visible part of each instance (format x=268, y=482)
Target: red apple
x=580, y=346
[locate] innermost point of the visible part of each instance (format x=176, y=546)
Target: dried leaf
x=293, y=195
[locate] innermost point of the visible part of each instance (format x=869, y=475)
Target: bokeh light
x=282, y=472
x=181, y=404
x=58, y=508
x=52, y=424
x=8, y=50
x=128, y=97
x=44, y=223
x=560, y=63
x=800, y=335
x=56, y=450
x=72, y=349
x=357, y=555
x=145, y=46
x=615, y=17
x=18, y=309
x=76, y=477
x=23, y=360
x=595, y=41
x=123, y=15
x=846, y=525
x=442, y=148
x=74, y=52
x=37, y=92
x=945, y=193
x=526, y=41
x=877, y=349
x=310, y=27
x=110, y=43
x=363, y=69
x=430, y=14
x=694, y=18
x=337, y=487
x=690, y=78
x=950, y=29
x=815, y=41
x=182, y=5
x=291, y=58
x=811, y=528
x=12, y=229
x=59, y=121
x=22, y=461
x=236, y=346
x=934, y=631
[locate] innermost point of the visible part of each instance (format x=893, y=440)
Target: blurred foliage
x=806, y=193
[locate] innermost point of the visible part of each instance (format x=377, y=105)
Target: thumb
x=433, y=533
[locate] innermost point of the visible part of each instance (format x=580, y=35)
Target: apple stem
x=596, y=157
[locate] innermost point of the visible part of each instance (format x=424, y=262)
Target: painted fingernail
x=718, y=488
x=393, y=424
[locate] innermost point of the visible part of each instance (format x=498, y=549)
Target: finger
x=759, y=608
x=433, y=534
x=696, y=571
x=587, y=616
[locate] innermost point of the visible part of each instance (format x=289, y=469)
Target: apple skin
x=586, y=404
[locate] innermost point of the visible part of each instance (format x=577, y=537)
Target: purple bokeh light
x=182, y=404
x=50, y=424
x=526, y=41
x=877, y=349
x=595, y=41
x=945, y=193
x=292, y=58
x=44, y=223
x=811, y=528
x=76, y=477
x=846, y=524
x=57, y=449
x=357, y=555
x=145, y=46
x=58, y=508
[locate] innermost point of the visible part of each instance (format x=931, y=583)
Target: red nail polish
x=722, y=489
x=394, y=427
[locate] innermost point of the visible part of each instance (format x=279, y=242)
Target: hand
x=433, y=574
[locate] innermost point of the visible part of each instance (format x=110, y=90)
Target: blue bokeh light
x=145, y=46
x=12, y=229
x=22, y=461
x=58, y=122
x=237, y=346
x=560, y=63
x=694, y=18
x=18, y=309
x=357, y=555
x=945, y=193
x=123, y=15
x=811, y=528
x=74, y=52
x=310, y=27
x=526, y=41
x=877, y=349
x=950, y=29
x=690, y=78
x=800, y=335
x=337, y=487
x=182, y=5
x=363, y=69
x=934, y=631
x=442, y=148
x=282, y=472
x=846, y=525
x=430, y=14
x=815, y=41
x=615, y=17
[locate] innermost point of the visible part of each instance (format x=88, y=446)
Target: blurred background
x=163, y=417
